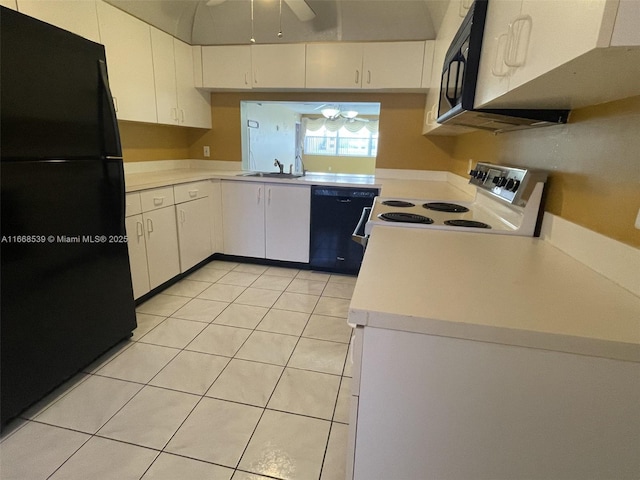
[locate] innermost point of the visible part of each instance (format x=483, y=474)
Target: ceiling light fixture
x=330, y=113
x=252, y=39
x=349, y=114
x=280, y=31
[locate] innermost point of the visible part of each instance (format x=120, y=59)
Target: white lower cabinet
x=449, y=408
x=162, y=245
x=137, y=255
x=264, y=220
x=152, y=239
x=194, y=216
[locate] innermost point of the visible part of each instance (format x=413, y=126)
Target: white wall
x=274, y=137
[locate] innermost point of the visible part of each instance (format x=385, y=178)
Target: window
x=341, y=137
x=342, y=142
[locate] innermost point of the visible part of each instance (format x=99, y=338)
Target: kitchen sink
x=270, y=174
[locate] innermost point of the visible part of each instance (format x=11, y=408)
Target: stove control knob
x=496, y=180
x=474, y=173
x=516, y=184
x=510, y=184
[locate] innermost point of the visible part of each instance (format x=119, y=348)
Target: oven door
x=358, y=235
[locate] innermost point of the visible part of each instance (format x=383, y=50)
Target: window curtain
x=315, y=124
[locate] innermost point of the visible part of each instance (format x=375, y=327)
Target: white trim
x=615, y=260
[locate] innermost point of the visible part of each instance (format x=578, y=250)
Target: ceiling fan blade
x=301, y=9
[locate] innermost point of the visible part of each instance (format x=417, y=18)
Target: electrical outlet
x=207, y=151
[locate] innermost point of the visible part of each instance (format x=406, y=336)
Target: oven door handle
x=356, y=236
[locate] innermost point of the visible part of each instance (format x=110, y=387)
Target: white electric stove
x=508, y=201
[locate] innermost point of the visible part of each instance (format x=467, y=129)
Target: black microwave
x=460, y=77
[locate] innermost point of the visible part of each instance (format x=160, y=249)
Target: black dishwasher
x=335, y=211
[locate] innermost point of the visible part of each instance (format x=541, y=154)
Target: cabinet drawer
x=156, y=198
x=191, y=191
x=133, y=204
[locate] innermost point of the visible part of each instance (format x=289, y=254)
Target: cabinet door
x=162, y=245
x=164, y=70
x=535, y=32
x=392, y=65
x=194, y=232
x=278, y=66
x=226, y=67
x=287, y=219
x=77, y=16
x=243, y=218
x=493, y=73
x=127, y=41
x=334, y=65
x=137, y=255
x=194, y=106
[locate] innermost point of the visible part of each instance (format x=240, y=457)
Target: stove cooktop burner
x=445, y=207
x=398, y=203
x=466, y=223
x=404, y=217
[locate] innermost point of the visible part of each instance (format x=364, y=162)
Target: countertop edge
x=499, y=335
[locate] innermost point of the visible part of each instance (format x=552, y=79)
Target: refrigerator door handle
x=111, y=146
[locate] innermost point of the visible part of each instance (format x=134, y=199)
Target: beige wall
x=329, y=164
x=401, y=144
x=594, y=164
x=144, y=142
x=594, y=160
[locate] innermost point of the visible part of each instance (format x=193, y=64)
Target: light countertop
x=494, y=288
x=390, y=187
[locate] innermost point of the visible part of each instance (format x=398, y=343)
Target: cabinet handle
x=139, y=229
x=255, y=76
x=357, y=77
x=193, y=193
x=259, y=194
x=369, y=77
x=246, y=81
x=519, y=31
x=149, y=225
x=429, y=120
x=182, y=115
x=464, y=7
x=269, y=197
x=174, y=113
x=115, y=103
x=501, y=53
x=183, y=216
x=157, y=201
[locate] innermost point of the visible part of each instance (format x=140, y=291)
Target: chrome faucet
x=277, y=163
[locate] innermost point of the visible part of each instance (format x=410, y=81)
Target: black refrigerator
x=65, y=279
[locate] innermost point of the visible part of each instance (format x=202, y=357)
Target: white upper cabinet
x=334, y=65
x=129, y=59
x=392, y=65
x=376, y=66
x=178, y=101
x=428, y=66
x=194, y=105
x=76, y=16
x=554, y=54
x=227, y=67
x=164, y=70
x=278, y=66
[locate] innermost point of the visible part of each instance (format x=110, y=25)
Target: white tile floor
x=237, y=372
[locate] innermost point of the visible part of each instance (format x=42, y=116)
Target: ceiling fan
x=300, y=8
